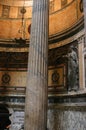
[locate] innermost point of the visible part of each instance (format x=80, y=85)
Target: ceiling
x=16, y=2
x=64, y=14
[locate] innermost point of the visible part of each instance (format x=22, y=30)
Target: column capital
x=81, y=39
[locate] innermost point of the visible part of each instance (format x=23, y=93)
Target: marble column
x=37, y=81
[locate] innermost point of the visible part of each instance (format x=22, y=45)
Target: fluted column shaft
x=36, y=90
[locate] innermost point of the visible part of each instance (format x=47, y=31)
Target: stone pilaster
x=36, y=90
x=84, y=7
x=81, y=62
